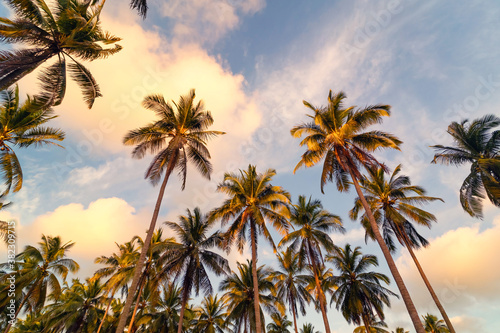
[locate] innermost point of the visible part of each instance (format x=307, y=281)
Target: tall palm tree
x=393, y=203
x=337, y=135
x=360, y=294
x=240, y=296
x=190, y=259
x=38, y=271
x=212, y=317
x=280, y=324
x=21, y=126
x=308, y=328
x=291, y=284
x=478, y=144
x=433, y=325
x=66, y=30
x=312, y=225
x=253, y=201
x=178, y=136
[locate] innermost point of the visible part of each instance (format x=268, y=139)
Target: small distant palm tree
x=252, y=204
x=433, y=325
x=475, y=143
x=400, y=330
x=177, y=137
x=375, y=327
x=189, y=259
x=21, y=127
x=212, y=317
x=312, y=225
x=66, y=30
x=280, y=324
x=308, y=328
x=38, y=271
x=359, y=294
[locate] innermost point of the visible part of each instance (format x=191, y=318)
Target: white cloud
x=88, y=174
x=351, y=236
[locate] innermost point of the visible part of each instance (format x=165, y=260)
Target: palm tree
x=191, y=257
x=400, y=330
x=290, y=284
x=21, y=126
x=177, y=137
x=474, y=143
x=70, y=30
x=312, y=225
x=359, y=292
x=38, y=271
x=308, y=328
x=393, y=205
x=375, y=327
x=280, y=324
x=5, y=234
x=253, y=200
x=337, y=135
x=212, y=317
x=433, y=325
x=240, y=296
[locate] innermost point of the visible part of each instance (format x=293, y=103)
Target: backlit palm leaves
x=22, y=126
x=478, y=144
x=433, y=325
x=63, y=30
x=212, y=316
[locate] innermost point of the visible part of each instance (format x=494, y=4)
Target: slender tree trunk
x=185, y=294
x=256, y=305
x=20, y=307
x=412, y=311
x=141, y=288
x=367, y=326
x=321, y=296
x=428, y=285
x=294, y=319
x=145, y=248
x=106, y=312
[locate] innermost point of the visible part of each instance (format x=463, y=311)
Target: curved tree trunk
x=321, y=296
x=106, y=312
x=141, y=288
x=145, y=248
x=185, y=294
x=294, y=319
x=412, y=311
x=256, y=304
x=428, y=285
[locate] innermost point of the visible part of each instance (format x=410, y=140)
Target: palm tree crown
x=68, y=30
x=433, y=325
x=475, y=143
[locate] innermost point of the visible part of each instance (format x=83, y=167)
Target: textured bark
x=412, y=311
x=256, y=303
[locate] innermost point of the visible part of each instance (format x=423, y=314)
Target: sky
x=253, y=63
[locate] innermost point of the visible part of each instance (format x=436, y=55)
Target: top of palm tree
x=336, y=133
x=433, y=325
x=308, y=328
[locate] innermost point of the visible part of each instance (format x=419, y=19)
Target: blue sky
x=253, y=62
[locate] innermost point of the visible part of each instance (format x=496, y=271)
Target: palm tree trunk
x=145, y=248
x=412, y=311
x=141, y=288
x=428, y=285
x=367, y=326
x=256, y=305
x=20, y=307
x=321, y=296
x=106, y=312
x=294, y=319
x=185, y=293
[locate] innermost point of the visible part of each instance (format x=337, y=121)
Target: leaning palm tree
x=21, y=127
x=359, y=294
x=177, y=137
x=393, y=203
x=312, y=225
x=475, y=143
x=66, y=30
x=433, y=325
x=280, y=324
x=212, y=316
x=189, y=259
x=38, y=271
x=291, y=284
x=253, y=201
x=336, y=134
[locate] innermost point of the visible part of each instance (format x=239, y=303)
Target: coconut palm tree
x=393, y=203
x=312, y=226
x=375, y=327
x=359, y=294
x=400, y=330
x=38, y=271
x=63, y=30
x=21, y=127
x=477, y=144
x=212, y=316
x=239, y=296
x=291, y=284
x=336, y=134
x=189, y=259
x=253, y=202
x=280, y=324
x=177, y=137
x=433, y=325
x=308, y=328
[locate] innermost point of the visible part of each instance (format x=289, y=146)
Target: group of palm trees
x=158, y=280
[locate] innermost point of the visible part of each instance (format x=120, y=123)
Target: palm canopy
x=375, y=327
x=21, y=126
x=280, y=324
x=179, y=136
x=336, y=135
x=433, y=325
x=212, y=316
x=394, y=204
x=359, y=295
x=478, y=144
x=65, y=30
x=4, y=225
x=308, y=328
